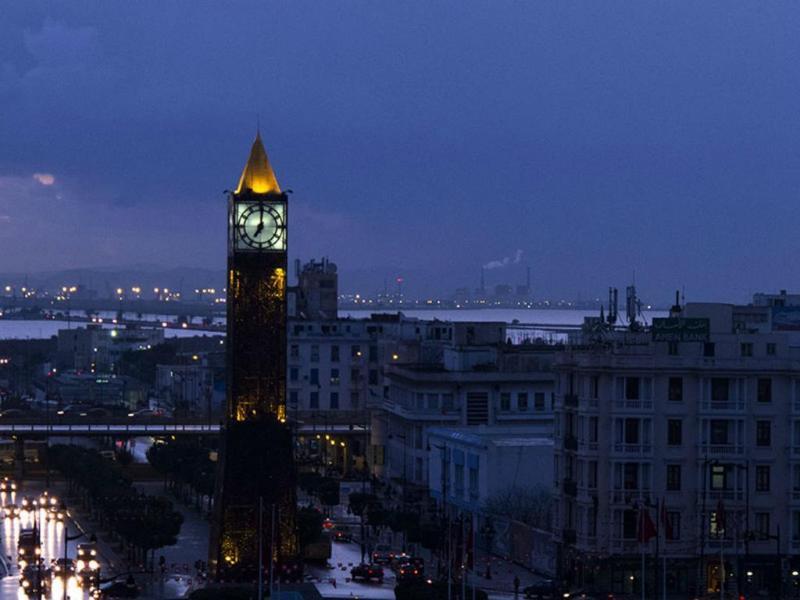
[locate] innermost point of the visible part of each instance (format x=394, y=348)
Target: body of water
x=40, y=329
x=538, y=316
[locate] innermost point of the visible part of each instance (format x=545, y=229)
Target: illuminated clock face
x=261, y=226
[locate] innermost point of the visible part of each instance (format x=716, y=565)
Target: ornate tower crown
x=258, y=176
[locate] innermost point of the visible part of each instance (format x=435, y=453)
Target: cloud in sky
x=45, y=178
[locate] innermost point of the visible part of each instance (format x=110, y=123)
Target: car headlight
x=22, y=551
x=26, y=583
x=80, y=565
x=93, y=565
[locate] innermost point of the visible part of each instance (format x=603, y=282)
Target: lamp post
x=488, y=535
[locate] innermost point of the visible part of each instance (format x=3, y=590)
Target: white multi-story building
x=336, y=377
x=480, y=382
x=694, y=422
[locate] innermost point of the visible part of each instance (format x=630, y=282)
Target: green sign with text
x=680, y=330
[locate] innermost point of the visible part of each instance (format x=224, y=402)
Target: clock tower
x=255, y=497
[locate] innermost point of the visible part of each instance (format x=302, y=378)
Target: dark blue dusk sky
x=421, y=138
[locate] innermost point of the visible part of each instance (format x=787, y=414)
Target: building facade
x=679, y=441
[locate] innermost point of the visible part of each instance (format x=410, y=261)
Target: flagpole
x=658, y=541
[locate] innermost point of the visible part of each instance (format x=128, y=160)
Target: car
x=547, y=589
x=11, y=511
x=62, y=567
x=7, y=485
x=341, y=535
x=120, y=589
x=365, y=572
x=383, y=554
x=33, y=582
x=409, y=572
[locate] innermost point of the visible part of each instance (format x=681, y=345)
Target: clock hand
x=260, y=228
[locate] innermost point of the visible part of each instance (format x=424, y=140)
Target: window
x=538, y=401
x=708, y=349
x=314, y=352
x=674, y=432
x=672, y=348
x=334, y=376
x=762, y=478
x=447, y=402
x=354, y=400
x=355, y=351
x=522, y=401
x=675, y=389
x=373, y=354
x=432, y=401
x=719, y=432
x=313, y=401
x=294, y=351
x=293, y=398
x=673, y=478
x=355, y=375
x=334, y=400
x=592, y=475
x=719, y=389
x=594, y=387
x=505, y=401
x=673, y=531
x=631, y=388
x=631, y=476
x=771, y=349
x=720, y=479
x=629, y=524
x=746, y=349
x=762, y=523
x=314, y=376
x=373, y=376
x=334, y=353
x=593, y=429
x=764, y=389
x=631, y=431
x=763, y=433
x=293, y=374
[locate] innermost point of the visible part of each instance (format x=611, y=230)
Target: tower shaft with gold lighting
x=256, y=472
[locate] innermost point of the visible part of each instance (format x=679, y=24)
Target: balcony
x=726, y=406
x=571, y=400
x=570, y=443
x=633, y=404
x=569, y=537
x=570, y=487
x=721, y=449
x=629, y=449
x=629, y=497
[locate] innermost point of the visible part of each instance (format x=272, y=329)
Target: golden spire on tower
x=258, y=175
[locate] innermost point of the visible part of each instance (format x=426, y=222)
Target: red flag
x=647, y=529
x=665, y=522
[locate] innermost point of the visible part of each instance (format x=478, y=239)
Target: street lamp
x=488, y=534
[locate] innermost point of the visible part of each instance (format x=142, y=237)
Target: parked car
x=365, y=572
x=547, y=589
x=341, y=535
x=8, y=485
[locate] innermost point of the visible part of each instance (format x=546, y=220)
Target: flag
x=720, y=516
x=665, y=522
x=647, y=529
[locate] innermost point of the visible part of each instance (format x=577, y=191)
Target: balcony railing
x=728, y=405
x=633, y=404
x=633, y=448
x=629, y=496
x=721, y=449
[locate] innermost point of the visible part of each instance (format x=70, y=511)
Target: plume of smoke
x=504, y=262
